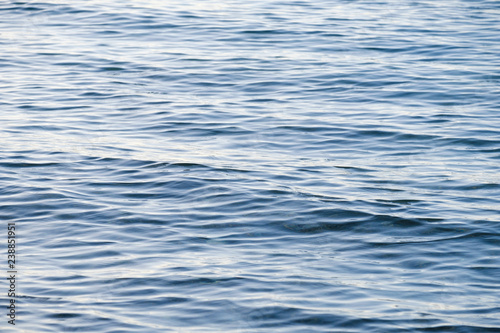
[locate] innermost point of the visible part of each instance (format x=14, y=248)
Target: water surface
x=272, y=166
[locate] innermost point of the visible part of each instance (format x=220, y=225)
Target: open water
x=251, y=166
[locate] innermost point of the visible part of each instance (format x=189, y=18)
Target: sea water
x=251, y=166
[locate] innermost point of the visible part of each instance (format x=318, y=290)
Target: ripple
x=252, y=166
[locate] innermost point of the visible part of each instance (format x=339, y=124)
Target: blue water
x=251, y=166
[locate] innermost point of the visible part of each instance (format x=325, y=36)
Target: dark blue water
x=262, y=166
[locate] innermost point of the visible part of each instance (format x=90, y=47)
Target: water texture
x=252, y=166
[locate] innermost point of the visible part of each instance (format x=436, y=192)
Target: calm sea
x=251, y=166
